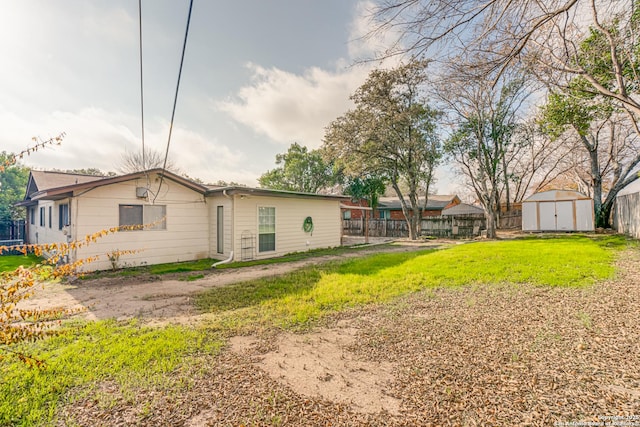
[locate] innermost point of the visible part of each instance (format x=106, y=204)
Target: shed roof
x=556, y=196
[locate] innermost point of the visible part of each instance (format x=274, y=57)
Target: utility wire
x=144, y=163
x=175, y=99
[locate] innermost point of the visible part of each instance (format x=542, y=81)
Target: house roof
x=44, y=185
x=248, y=191
x=434, y=202
x=463, y=209
x=45, y=180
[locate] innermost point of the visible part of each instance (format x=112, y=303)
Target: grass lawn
x=205, y=264
x=128, y=354
x=308, y=294
x=11, y=262
x=139, y=358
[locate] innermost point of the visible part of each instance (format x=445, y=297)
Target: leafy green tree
x=13, y=182
x=391, y=133
x=369, y=188
x=300, y=170
x=605, y=140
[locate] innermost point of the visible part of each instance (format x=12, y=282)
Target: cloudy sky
x=258, y=76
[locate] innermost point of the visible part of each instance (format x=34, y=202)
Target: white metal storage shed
x=557, y=210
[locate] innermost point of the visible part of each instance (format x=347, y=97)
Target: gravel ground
x=485, y=355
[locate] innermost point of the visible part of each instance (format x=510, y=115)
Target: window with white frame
x=266, y=229
x=346, y=214
x=42, y=218
x=152, y=217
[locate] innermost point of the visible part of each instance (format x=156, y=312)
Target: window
x=32, y=215
x=50, y=215
x=346, y=214
x=42, y=220
x=153, y=217
x=266, y=229
x=63, y=216
x=220, y=229
x=384, y=214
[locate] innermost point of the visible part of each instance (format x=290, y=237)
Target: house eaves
x=247, y=191
x=63, y=192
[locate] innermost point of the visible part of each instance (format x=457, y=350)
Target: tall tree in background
x=368, y=187
x=608, y=150
x=13, y=181
x=134, y=161
x=560, y=40
x=300, y=170
x=391, y=133
x=482, y=144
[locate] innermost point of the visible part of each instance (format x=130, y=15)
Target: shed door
x=564, y=216
x=547, y=216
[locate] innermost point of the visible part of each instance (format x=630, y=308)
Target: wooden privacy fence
x=466, y=226
x=626, y=217
x=510, y=219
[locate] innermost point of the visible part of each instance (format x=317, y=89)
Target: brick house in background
x=390, y=207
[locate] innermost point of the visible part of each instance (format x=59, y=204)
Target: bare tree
x=556, y=38
x=134, y=161
x=537, y=160
x=607, y=148
x=483, y=144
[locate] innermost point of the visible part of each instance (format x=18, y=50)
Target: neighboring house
x=354, y=209
x=462, y=209
x=390, y=207
x=188, y=220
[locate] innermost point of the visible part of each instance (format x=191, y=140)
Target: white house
x=183, y=220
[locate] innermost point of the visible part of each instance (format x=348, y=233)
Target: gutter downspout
x=226, y=261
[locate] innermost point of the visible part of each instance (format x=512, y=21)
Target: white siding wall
x=187, y=227
x=227, y=204
x=290, y=215
x=50, y=233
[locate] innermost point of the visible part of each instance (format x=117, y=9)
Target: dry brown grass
x=471, y=356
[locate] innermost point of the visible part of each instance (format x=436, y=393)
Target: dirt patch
x=170, y=300
x=477, y=355
x=321, y=364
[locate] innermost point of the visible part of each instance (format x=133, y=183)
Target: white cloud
x=96, y=138
x=288, y=107
x=365, y=43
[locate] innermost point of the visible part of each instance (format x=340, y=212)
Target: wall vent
x=141, y=192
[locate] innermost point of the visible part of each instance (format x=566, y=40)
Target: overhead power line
x=144, y=163
x=175, y=99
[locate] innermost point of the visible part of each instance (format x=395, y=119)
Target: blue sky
x=258, y=76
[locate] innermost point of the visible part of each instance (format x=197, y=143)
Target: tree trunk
x=414, y=222
x=603, y=214
x=491, y=223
